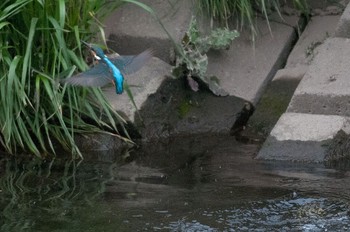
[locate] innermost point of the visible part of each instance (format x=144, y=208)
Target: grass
x=244, y=11
x=40, y=43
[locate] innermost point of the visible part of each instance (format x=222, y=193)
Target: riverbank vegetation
x=39, y=44
x=245, y=11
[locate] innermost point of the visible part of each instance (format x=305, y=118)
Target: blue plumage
x=109, y=70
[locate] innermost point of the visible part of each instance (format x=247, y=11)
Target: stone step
x=142, y=84
x=131, y=29
x=168, y=107
x=311, y=121
x=245, y=69
x=343, y=26
x=316, y=32
x=325, y=86
x=302, y=137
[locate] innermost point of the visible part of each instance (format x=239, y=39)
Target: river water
x=187, y=184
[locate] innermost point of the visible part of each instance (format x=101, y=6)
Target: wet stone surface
x=338, y=151
x=175, y=110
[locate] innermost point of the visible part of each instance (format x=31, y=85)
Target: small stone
x=333, y=10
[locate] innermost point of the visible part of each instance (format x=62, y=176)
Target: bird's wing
x=99, y=75
x=131, y=64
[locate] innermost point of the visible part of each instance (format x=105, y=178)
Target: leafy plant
x=39, y=43
x=193, y=62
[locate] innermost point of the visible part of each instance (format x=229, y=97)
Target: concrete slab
x=321, y=4
x=325, y=86
x=308, y=127
x=244, y=70
x=316, y=32
x=343, y=26
x=142, y=84
x=273, y=102
x=302, y=137
x=131, y=29
x=167, y=107
x=296, y=73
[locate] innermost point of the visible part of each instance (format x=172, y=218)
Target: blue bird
x=109, y=70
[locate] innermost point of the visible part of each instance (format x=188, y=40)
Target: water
x=188, y=184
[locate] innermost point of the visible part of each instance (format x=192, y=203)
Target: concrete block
x=343, y=27
x=130, y=29
x=322, y=5
x=274, y=101
x=314, y=3
x=167, y=107
x=143, y=83
x=302, y=137
x=315, y=33
x=245, y=69
x=325, y=86
x=296, y=73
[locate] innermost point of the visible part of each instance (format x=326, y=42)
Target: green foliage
x=40, y=43
x=184, y=108
x=245, y=10
x=194, y=61
x=302, y=6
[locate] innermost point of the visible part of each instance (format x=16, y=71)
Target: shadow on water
x=185, y=184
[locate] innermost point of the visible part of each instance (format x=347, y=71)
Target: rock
x=175, y=110
x=338, y=151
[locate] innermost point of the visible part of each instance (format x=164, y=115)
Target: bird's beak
x=86, y=44
x=95, y=55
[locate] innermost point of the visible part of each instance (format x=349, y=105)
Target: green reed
x=39, y=44
x=245, y=10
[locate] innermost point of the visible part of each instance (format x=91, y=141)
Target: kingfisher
x=109, y=70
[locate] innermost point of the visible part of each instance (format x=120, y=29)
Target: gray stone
x=167, y=107
x=295, y=151
x=296, y=73
x=343, y=26
x=142, y=84
x=245, y=69
x=131, y=29
x=98, y=142
x=315, y=33
x=302, y=137
x=274, y=102
x=321, y=4
x=175, y=110
x=325, y=86
x=308, y=127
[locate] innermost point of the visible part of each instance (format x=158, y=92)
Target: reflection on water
x=190, y=184
x=38, y=195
